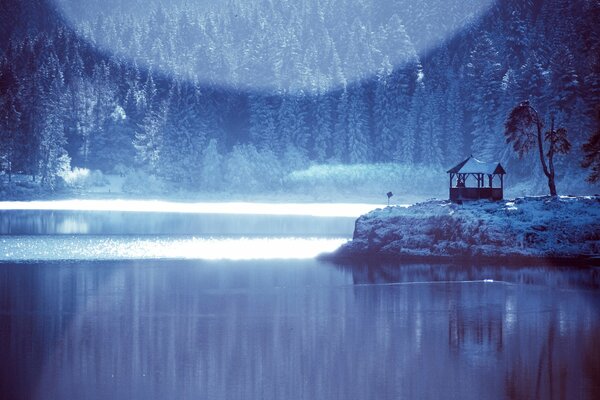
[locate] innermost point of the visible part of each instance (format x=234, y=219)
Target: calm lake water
x=75, y=324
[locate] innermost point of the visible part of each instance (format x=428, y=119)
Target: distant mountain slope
x=68, y=103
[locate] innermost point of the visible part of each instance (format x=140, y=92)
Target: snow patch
x=562, y=227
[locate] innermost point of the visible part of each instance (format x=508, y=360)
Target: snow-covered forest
x=252, y=94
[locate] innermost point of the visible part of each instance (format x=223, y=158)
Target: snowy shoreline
x=525, y=229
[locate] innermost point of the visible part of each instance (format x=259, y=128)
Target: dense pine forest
x=250, y=95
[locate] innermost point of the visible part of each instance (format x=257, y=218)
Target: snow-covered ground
x=560, y=227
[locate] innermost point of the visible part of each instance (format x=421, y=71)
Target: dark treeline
x=255, y=90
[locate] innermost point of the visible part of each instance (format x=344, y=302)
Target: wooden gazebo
x=474, y=180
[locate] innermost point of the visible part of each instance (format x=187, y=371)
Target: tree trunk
x=549, y=174
x=552, y=185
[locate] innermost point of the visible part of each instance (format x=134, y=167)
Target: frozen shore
x=564, y=227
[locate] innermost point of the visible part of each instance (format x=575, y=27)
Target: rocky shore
x=563, y=227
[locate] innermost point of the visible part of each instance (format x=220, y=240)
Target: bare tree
x=523, y=129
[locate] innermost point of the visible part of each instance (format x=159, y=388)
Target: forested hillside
x=243, y=94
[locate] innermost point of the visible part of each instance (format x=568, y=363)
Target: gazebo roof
x=473, y=166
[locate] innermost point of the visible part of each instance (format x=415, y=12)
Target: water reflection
x=88, y=247
x=546, y=275
x=27, y=235
x=295, y=330
x=59, y=222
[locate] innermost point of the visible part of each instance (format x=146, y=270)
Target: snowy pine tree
x=211, y=175
x=52, y=156
x=358, y=136
x=148, y=140
x=385, y=113
x=323, y=127
x=485, y=70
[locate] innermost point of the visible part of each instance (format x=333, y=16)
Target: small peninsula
x=549, y=227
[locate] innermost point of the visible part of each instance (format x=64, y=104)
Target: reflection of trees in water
x=37, y=304
x=540, y=379
x=143, y=223
x=544, y=341
x=552, y=364
x=226, y=330
x=475, y=328
x=552, y=276
x=244, y=330
x=591, y=362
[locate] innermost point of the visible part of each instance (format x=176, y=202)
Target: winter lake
x=206, y=302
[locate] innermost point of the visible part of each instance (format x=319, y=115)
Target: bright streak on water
x=240, y=208
x=88, y=247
